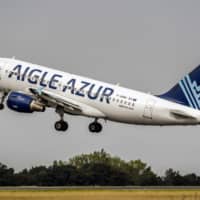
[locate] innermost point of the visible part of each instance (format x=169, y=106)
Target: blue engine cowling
x=23, y=103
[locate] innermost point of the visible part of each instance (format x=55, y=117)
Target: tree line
x=96, y=169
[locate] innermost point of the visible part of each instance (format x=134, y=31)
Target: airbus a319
x=29, y=88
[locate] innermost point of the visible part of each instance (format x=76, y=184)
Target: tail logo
x=191, y=91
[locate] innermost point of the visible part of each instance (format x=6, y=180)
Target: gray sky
x=141, y=44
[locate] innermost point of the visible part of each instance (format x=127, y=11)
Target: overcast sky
x=146, y=45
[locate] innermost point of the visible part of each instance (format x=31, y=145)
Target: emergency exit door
x=148, y=109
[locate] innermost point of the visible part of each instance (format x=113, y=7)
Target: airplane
x=29, y=88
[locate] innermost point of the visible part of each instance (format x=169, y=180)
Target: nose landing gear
x=1, y=106
x=2, y=99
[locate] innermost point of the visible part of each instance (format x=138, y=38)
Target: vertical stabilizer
x=187, y=91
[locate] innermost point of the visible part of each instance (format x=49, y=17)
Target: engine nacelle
x=23, y=103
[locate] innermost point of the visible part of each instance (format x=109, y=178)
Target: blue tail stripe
x=187, y=91
x=191, y=86
x=194, y=92
x=186, y=94
x=190, y=93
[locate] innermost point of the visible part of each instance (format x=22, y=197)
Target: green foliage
x=98, y=168
x=6, y=175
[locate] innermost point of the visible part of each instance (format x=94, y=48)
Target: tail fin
x=187, y=91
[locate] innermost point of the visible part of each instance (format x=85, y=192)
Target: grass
x=101, y=195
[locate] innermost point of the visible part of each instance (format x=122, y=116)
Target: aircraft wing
x=69, y=105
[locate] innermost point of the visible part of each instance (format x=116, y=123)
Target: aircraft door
x=148, y=109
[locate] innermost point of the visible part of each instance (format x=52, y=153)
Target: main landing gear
x=61, y=125
x=95, y=127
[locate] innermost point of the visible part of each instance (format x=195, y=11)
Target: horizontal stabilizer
x=182, y=115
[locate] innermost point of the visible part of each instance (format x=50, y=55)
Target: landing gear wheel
x=1, y=106
x=3, y=95
x=95, y=127
x=61, y=125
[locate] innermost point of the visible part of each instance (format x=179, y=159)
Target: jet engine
x=24, y=103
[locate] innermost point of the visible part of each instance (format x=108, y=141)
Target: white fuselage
x=112, y=101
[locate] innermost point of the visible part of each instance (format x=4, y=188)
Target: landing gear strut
x=2, y=99
x=95, y=127
x=61, y=125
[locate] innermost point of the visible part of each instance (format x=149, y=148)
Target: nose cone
x=3, y=60
x=1, y=63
